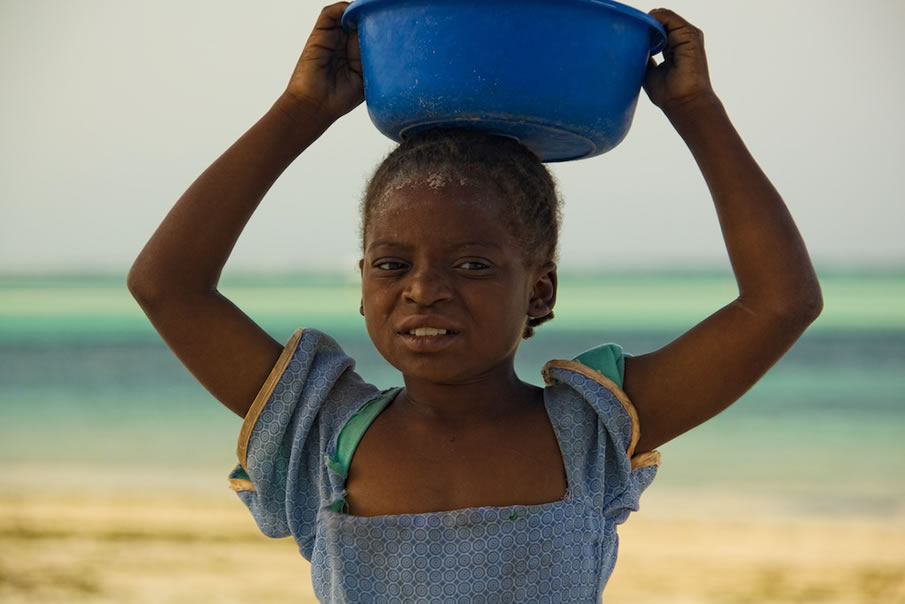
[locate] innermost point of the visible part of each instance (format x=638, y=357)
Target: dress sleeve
x=281, y=471
x=596, y=376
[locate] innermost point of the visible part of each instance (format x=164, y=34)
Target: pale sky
x=109, y=110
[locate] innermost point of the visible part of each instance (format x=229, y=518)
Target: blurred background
x=115, y=459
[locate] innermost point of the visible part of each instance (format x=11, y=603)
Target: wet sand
x=151, y=547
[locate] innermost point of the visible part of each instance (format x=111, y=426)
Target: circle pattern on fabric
x=561, y=551
x=457, y=565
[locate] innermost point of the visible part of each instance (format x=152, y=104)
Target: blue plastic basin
x=561, y=76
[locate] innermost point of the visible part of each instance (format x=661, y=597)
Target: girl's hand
x=682, y=78
x=328, y=74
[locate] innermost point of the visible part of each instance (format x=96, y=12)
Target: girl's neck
x=488, y=397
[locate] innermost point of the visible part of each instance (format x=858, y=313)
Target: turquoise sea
x=90, y=397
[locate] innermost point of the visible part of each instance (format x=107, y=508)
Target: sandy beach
x=150, y=547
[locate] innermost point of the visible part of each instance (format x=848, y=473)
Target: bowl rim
x=657, y=31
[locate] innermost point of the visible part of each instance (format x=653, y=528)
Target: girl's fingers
x=334, y=12
x=329, y=22
x=330, y=18
x=678, y=30
x=683, y=73
x=685, y=42
x=669, y=19
x=328, y=72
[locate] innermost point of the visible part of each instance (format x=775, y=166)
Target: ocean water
x=91, y=397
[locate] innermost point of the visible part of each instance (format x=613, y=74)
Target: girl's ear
x=543, y=296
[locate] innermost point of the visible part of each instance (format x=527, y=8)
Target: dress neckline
x=353, y=430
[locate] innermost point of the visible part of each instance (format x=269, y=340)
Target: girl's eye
x=389, y=265
x=474, y=265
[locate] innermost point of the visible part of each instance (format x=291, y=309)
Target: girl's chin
x=450, y=371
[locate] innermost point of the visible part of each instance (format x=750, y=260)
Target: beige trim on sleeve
x=641, y=460
x=254, y=412
x=239, y=484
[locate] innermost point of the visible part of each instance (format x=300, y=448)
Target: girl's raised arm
x=705, y=370
x=175, y=276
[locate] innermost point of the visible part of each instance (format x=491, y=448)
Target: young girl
x=467, y=484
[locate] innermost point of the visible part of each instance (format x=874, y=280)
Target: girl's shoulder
x=315, y=371
x=312, y=385
x=589, y=387
x=311, y=392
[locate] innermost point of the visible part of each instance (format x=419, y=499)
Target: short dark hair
x=467, y=153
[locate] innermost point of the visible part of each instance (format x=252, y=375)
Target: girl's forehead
x=439, y=191
x=445, y=210
x=436, y=177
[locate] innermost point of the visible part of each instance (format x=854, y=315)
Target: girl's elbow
x=141, y=289
x=804, y=308
x=816, y=304
x=811, y=302
x=146, y=288
x=796, y=311
x=809, y=309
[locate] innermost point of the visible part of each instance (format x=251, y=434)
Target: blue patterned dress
x=292, y=476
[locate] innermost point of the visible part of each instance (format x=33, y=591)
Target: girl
x=467, y=484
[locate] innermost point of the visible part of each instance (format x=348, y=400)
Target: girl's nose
x=427, y=286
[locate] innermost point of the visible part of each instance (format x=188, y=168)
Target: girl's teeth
x=427, y=331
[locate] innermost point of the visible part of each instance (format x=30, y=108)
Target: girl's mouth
x=427, y=331
x=427, y=339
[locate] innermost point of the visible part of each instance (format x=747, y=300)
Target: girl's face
x=446, y=290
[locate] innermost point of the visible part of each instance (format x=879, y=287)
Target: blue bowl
x=561, y=76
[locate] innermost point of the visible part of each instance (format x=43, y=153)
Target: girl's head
x=528, y=204
x=459, y=238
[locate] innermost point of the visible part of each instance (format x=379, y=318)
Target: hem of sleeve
x=648, y=458
x=238, y=485
x=254, y=412
x=644, y=460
